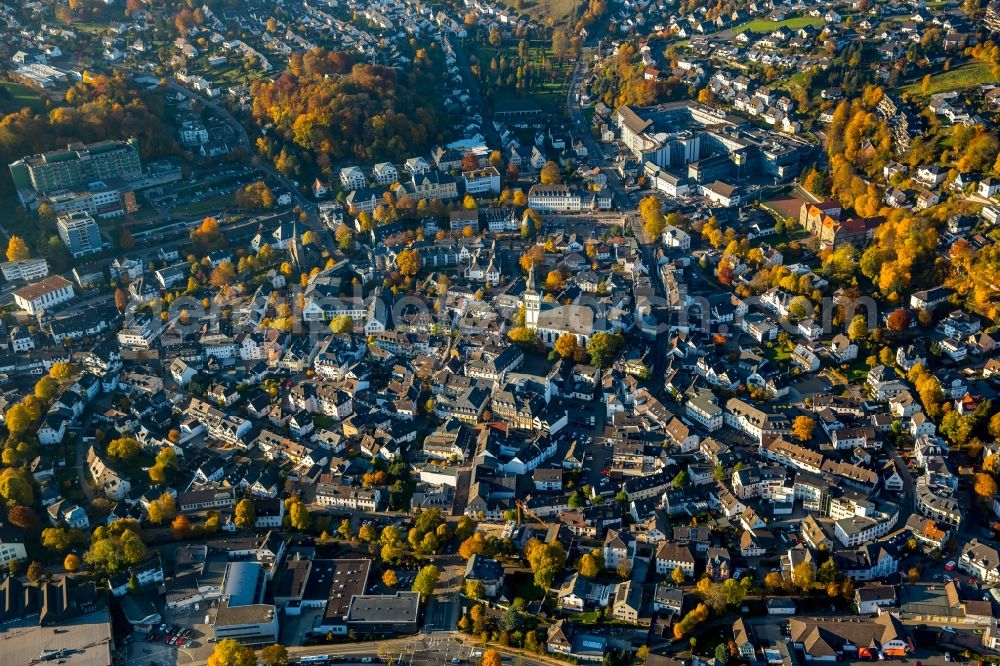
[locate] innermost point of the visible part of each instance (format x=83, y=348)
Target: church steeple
x=294, y=248
x=532, y=301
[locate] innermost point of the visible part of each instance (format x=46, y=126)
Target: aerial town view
x=499, y=332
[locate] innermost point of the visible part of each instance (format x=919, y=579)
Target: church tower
x=532, y=301
x=294, y=246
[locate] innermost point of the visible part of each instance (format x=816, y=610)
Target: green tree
x=426, y=580
x=16, y=487
x=604, y=347
x=680, y=480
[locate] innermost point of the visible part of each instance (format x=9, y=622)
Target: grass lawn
x=857, y=372
x=967, y=76
x=205, y=206
x=21, y=96
x=778, y=353
x=763, y=25
x=585, y=618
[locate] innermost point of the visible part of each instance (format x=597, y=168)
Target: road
x=622, y=203
x=421, y=650
x=909, y=490
x=81, y=467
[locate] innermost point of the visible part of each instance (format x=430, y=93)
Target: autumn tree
x=804, y=575
x=123, y=448
x=898, y=320
x=678, y=576
x=474, y=545
x=71, y=563
x=25, y=518
x=566, y=345
x=802, y=427
x=690, y=621
x=298, y=516
x=245, y=515
x=161, y=509
x=532, y=258
x=550, y=174
x=409, y=262
x=588, y=566
x=115, y=547
x=45, y=388
x=207, y=236
x=223, y=275
x=858, y=328
x=491, y=658
x=389, y=578
x=342, y=324
x=180, y=527
x=986, y=486
x=60, y=539
x=230, y=652
x=654, y=222
x=16, y=487
x=274, y=655
x=545, y=560
x=17, y=249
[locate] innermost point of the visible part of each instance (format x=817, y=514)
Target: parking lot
x=182, y=638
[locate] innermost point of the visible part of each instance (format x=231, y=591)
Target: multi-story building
x=752, y=421
x=482, y=181
x=80, y=234
x=554, y=198
x=704, y=409
x=45, y=294
x=77, y=165
x=25, y=269
x=431, y=186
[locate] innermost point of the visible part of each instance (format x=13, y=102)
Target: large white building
x=45, y=294
x=554, y=199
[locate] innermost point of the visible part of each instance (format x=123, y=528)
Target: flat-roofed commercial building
x=241, y=615
x=384, y=613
